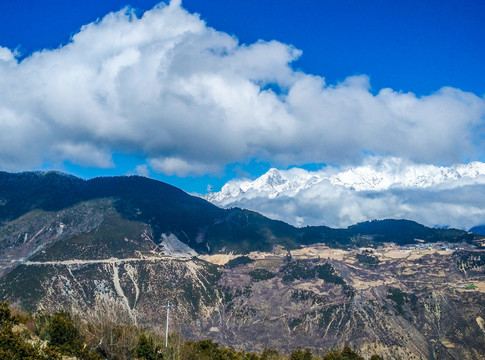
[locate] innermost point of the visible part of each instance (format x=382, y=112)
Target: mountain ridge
x=167, y=209
x=382, y=175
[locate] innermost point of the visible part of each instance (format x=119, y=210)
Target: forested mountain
x=122, y=247
x=196, y=222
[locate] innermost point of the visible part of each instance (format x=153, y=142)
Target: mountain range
x=389, y=173
x=384, y=187
x=121, y=247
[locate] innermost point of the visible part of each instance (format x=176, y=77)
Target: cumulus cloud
x=193, y=99
x=324, y=204
x=6, y=55
x=142, y=170
x=180, y=167
x=381, y=188
x=84, y=154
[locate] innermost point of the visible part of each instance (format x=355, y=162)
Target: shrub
x=241, y=260
x=300, y=354
x=304, y=270
x=270, y=354
x=346, y=354
x=148, y=349
x=368, y=259
x=12, y=346
x=261, y=274
x=63, y=333
x=64, y=337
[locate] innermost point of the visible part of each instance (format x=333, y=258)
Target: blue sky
x=410, y=47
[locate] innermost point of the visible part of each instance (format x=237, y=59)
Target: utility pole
x=168, y=306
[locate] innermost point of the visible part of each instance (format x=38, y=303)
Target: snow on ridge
x=377, y=174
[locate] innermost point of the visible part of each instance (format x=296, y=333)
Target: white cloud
x=6, y=55
x=142, y=170
x=179, y=167
x=192, y=99
x=84, y=154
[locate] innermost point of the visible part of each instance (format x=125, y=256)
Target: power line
x=168, y=307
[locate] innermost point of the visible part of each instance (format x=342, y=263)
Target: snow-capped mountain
x=377, y=174
x=271, y=184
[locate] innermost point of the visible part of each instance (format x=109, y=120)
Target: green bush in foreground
x=12, y=344
x=63, y=336
x=300, y=354
x=148, y=349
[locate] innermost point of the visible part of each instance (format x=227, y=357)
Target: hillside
x=47, y=336
x=124, y=246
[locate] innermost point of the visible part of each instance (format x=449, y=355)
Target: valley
x=405, y=305
x=109, y=249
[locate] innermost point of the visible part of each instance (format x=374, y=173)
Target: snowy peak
x=378, y=174
x=272, y=184
x=396, y=173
